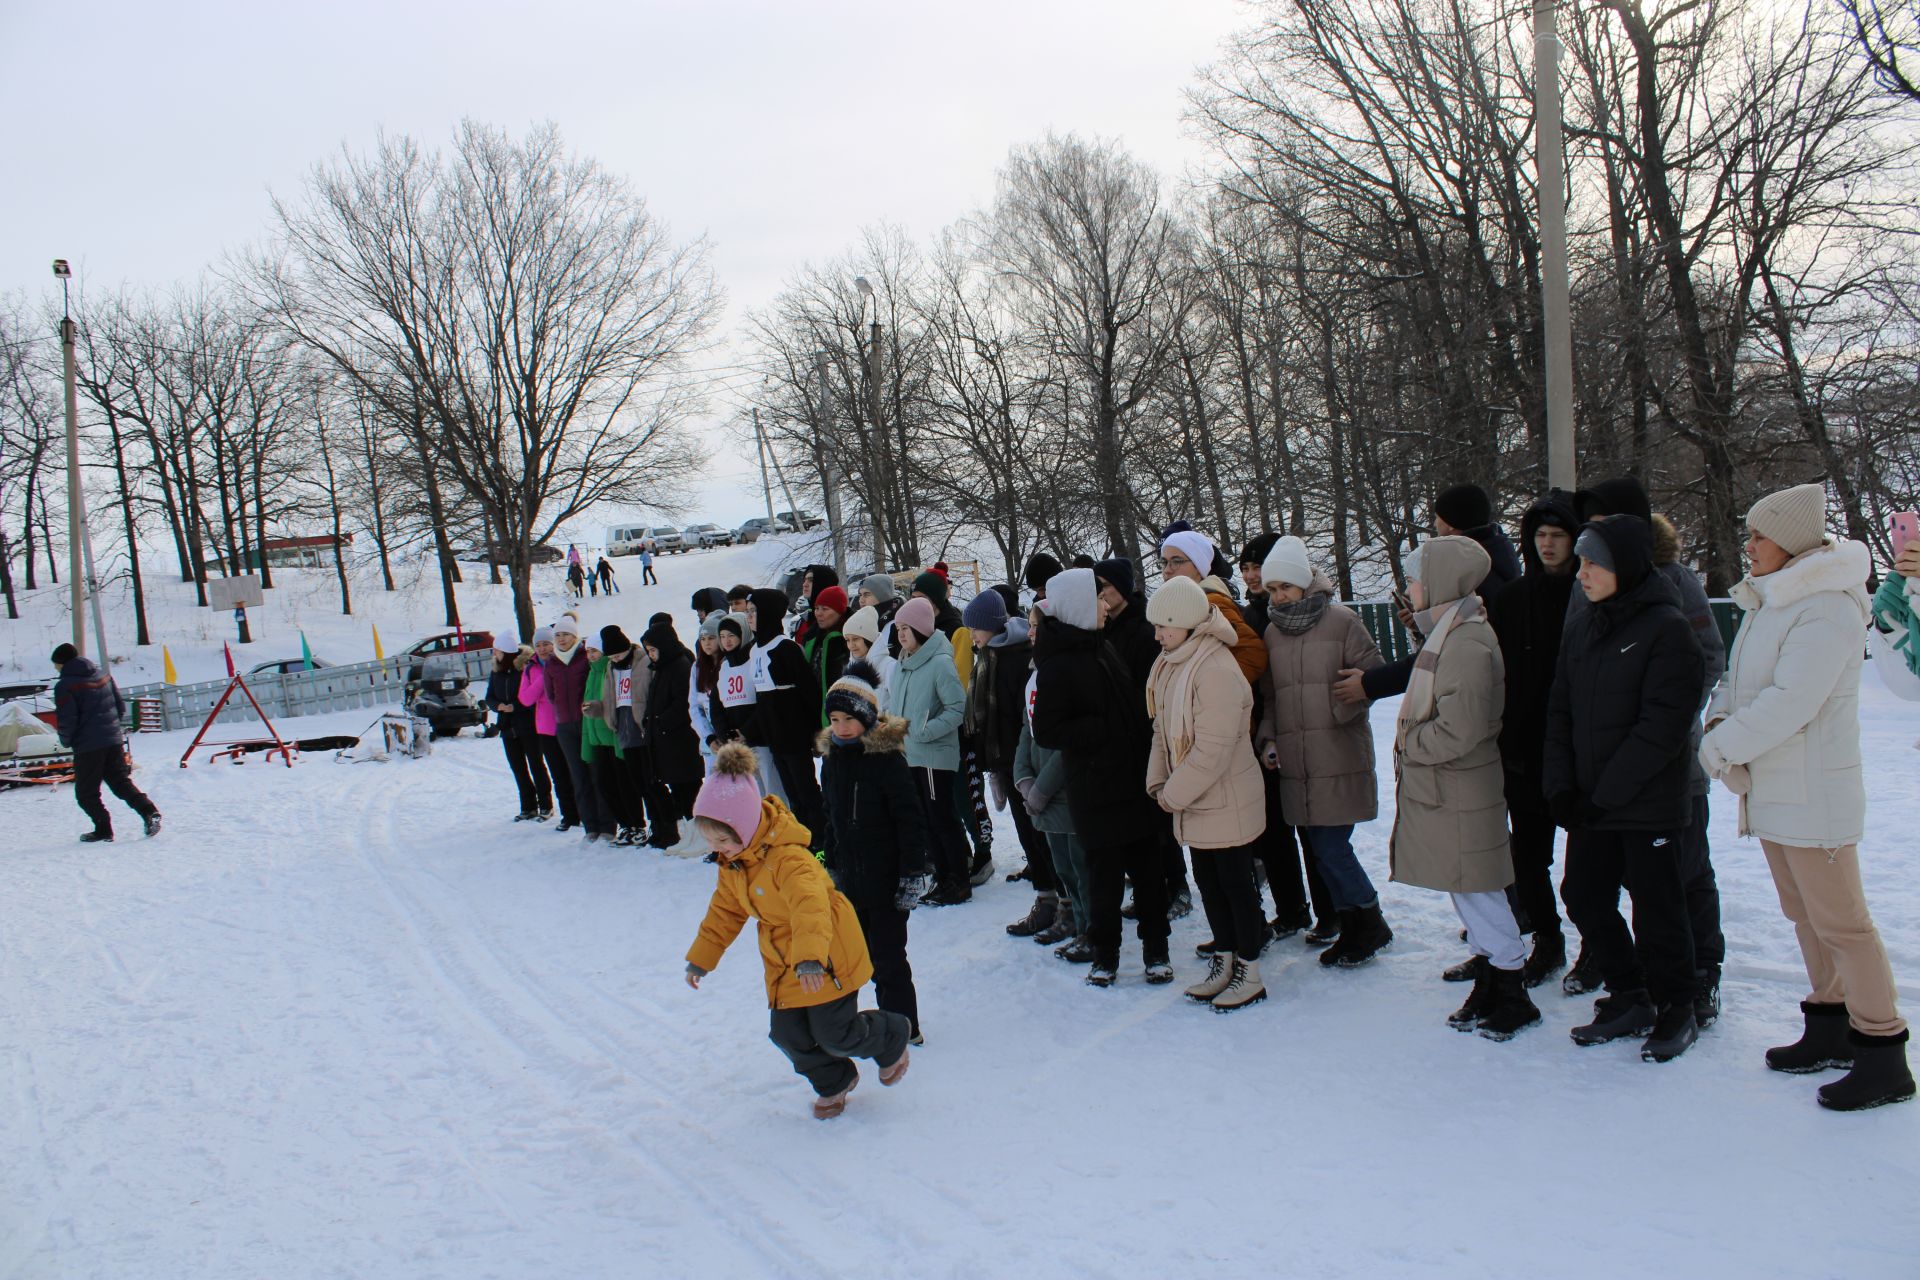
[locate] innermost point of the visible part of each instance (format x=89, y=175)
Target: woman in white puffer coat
x=1783, y=732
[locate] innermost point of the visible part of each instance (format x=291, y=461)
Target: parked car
x=289, y=666
x=625, y=539
x=666, y=541
x=802, y=520
x=448, y=642
x=709, y=535
x=542, y=554
x=755, y=529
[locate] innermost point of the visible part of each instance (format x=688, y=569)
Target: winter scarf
x=1302, y=615
x=1435, y=624
x=1170, y=684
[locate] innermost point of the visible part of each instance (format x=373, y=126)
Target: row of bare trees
x=1345, y=315
x=430, y=349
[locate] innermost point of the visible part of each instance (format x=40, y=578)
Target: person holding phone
x=1896, y=610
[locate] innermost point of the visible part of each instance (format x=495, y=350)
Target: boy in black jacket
x=786, y=693
x=876, y=835
x=1616, y=777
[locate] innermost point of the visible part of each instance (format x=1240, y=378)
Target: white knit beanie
x=1794, y=518
x=1288, y=563
x=1178, y=603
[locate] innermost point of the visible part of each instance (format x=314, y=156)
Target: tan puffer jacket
x=1202, y=767
x=1326, y=747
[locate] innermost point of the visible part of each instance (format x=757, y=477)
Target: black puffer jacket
x=1529, y=617
x=1506, y=565
x=1088, y=707
x=1131, y=636
x=996, y=705
x=784, y=719
x=876, y=832
x=88, y=707
x=1624, y=698
x=668, y=723
x=503, y=689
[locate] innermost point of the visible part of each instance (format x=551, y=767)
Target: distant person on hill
x=647, y=578
x=604, y=571
x=576, y=581
x=88, y=710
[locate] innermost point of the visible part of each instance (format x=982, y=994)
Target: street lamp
x=830, y=468
x=880, y=468
x=82, y=586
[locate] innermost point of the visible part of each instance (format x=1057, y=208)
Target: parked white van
x=625, y=539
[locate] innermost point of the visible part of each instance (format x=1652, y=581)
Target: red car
x=449, y=642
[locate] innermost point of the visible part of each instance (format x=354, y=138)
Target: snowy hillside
x=350, y=1020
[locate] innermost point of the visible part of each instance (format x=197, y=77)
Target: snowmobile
x=437, y=692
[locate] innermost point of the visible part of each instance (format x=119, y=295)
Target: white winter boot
x=1219, y=974
x=1244, y=989
x=690, y=846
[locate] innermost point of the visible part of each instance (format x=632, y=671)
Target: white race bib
x=1033, y=696
x=763, y=668
x=736, y=686
x=623, y=687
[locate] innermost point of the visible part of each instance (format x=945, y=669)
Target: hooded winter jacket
x=1896, y=614
x=566, y=683
x=996, y=703
x=1201, y=766
x=533, y=693
x=827, y=656
x=709, y=600
x=87, y=707
x=1249, y=653
x=1624, y=697
x=925, y=692
x=1046, y=769
x=503, y=687
x=1789, y=709
x=666, y=718
x=1088, y=707
x=786, y=711
x=1327, y=774
x=778, y=882
x=596, y=734
x=1450, y=813
x=1131, y=636
x=876, y=831
x=1530, y=617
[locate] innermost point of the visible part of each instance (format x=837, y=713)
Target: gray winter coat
x=1326, y=747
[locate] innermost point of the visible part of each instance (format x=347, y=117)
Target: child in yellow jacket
x=810, y=940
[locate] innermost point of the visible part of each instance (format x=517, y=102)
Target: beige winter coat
x=1326, y=747
x=1202, y=767
x=1450, y=819
x=1789, y=706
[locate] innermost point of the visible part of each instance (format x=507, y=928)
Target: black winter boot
x=1584, y=977
x=1363, y=933
x=1674, y=1032
x=1078, y=951
x=1285, y=928
x=1159, y=968
x=1468, y=1015
x=1063, y=928
x=1880, y=1075
x=1706, y=996
x=1038, y=919
x=1823, y=1044
x=1510, y=1010
x=1466, y=971
x=1326, y=931
x=96, y=837
x=1627, y=1013
x=1548, y=957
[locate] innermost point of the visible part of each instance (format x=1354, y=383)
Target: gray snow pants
x=821, y=1038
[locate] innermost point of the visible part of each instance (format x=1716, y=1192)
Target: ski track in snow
x=348, y=1020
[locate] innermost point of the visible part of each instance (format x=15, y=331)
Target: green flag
x=306, y=654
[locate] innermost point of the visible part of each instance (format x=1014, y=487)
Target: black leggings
x=1039, y=853
x=1107, y=869
x=529, y=771
x=1228, y=896
x=947, y=839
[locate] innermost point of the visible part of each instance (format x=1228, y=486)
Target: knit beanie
x=1593, y=548
x=731, y=794
x=736, y=623
x=940, y=567
x=506, y=642
x=64, y=654
x=1255, y=552
x=1178, y=603
x=835, y=598
x=1008, y=596
x=933, y=587
x=856, y=693
x=1287, y=563
x=1795, y=518
x=1465, y=506
x=1194, y=546
x=1116, y=573
x=614, y=640
x=710, y=626
x=543, y=635
x=567, y=626
x=986, y=612
x=865, y=623
x=918, y=614
x=881, y=586
x=1040, y=567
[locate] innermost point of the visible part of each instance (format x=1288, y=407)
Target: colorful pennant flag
x=378, y=652
x=306, y=654
x=228, y=653
x=167, y=672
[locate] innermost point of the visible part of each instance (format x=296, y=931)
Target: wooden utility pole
x=881, y=482
x=1556, y=304
x=830, y=477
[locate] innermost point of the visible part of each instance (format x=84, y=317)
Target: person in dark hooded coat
x=709, y=600
x=1616, y=777
x=670, y=739
x=817, y=578
x=88, y=710
x=786, y=717
x=1529, y=617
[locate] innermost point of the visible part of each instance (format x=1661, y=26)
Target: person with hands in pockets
x=811, y=946
x=926, y=693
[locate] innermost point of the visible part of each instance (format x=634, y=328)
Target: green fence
x=1394, y=643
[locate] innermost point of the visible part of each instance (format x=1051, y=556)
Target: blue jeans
x=1331, y=849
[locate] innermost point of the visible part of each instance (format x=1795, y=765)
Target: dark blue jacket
x=88, y=707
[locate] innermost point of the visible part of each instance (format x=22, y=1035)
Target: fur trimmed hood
x=888, y=735
x=1666, y=540
x=1840, y=566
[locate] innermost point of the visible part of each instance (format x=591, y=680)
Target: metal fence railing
x=298, y=693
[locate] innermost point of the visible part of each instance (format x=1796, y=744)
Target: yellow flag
x=168, y=673
x=378, y=652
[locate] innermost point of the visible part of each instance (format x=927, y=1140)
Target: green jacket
x=1893, y=610
x=596, y=735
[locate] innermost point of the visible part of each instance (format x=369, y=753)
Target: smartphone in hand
x=1904, y=529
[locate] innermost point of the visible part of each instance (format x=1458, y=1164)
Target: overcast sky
x=142, y=139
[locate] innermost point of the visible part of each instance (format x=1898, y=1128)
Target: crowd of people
x=1577, y=684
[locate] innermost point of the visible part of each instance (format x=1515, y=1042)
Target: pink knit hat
x=918, y=613
x=732, y=795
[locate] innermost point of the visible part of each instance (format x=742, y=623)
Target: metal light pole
x=80, y=579
x=1556, y=303
x=831, y=478
x=876, y=509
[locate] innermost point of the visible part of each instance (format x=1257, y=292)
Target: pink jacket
x=533, y=693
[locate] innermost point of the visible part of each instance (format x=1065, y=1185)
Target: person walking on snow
x=1201, y=771
x=88, y=711
x=647, y=576
x=604, y=571
x=1450, y=816
x=876, y=836
x=811, y=946
x=1784, y=735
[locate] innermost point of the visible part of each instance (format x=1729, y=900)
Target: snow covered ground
x=349, y=1020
